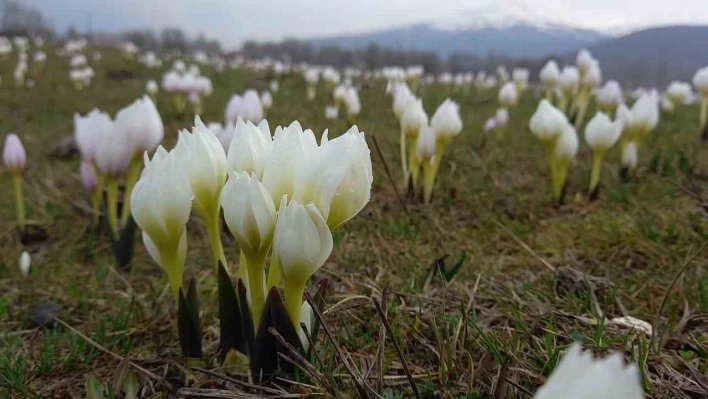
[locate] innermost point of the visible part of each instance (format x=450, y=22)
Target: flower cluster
x=281, y=195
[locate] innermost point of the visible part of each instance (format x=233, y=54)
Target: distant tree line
x=22, y=19
x=375, y=56
x=172, y=39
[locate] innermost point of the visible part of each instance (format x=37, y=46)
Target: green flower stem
x=214, y=232
x=563, y=102
x=428, y=179
x=582, y=105
x=561, y=175
x=19, y=198
x=242, y=268
x=550, y=147
x=404, y=161
x=549, y=94
x=274, y=272
x=413, y=163
x=256, y=281
x=293, y=302
x=174, y=269
x=704, y=112
x=136, y=166
x=97, y=196
x=596, y=167
x=112, y=191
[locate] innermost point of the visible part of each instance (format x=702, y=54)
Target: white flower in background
x=225, y=134
x=89, y=132
x=521, y=78
x=645, y=115
x=666, y=104
x=601, y=132
x=503, y=74
x=490, y=125
x=337, y=177
x=274, y=86
x=446, y=120
x=307, y=316
x=77, y=61
x=40, y=57
x=592, y=76
x=584, y=61
x=142, y=123
x=266, y=100
x=114, y=152
x=203, y=86
x=567, y=144
x=130, y=49
x=249, y=148
x=13, y=154
x=312, y=76
x=700, y=80
x=550, y=75
x=629, y=155
x=88, y=177
x=501, y=117
x=609, y=97
x=679, y=92
x=292, y=147
x=248, y=107
x=579, y=375
x=151, y=88
x=402, y=95
x=172, y=81
x=331, y=76
x=414, y=117
x=426, y=143
x=548, y=122
x=338, y=94
x=569, y=80
x=508, y=95
x=351, y=102
x=249, y=212
x=623, y=116
x=445, y=78
x=331, y=112
x=179, y=66
x=25, y=262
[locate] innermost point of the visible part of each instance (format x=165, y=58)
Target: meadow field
x=482, y=289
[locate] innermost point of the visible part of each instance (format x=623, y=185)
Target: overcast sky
x=234, y=21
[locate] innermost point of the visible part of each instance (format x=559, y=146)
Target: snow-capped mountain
x=512, y=29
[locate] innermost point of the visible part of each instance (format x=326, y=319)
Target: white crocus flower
x=302, y=243
x=601, y=133
x=446, y=121
x=700, y=80
x=337, y=177
x=550, y=77
x=141, y=121
x=89, y=132
x=250, y=214
x=248, y=107
x=609, y=97
x=508, y=95
x=25, y=261
x=292, y=147
x=578, y=375
x=249, y=148
x=161, y=204
x=203, y=162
